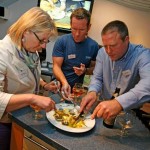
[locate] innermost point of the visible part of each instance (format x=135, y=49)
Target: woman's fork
x=58, y=91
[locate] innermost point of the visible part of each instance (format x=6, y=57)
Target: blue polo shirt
x=74, y=54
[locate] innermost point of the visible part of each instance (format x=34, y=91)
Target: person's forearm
x=59, y=75
x=19, y=101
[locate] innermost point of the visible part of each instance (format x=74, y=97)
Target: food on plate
x=68, y=118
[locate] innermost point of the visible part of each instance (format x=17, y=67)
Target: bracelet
x=44, y=86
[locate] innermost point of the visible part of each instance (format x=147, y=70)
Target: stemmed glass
x=37, y=110
x=78, y=90
x=126, y=120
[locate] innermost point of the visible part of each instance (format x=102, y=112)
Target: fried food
x=68, y=118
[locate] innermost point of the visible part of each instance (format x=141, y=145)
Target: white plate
x=88, y=122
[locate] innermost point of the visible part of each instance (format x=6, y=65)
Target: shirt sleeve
x=96, y=49
x=4, y=99
x=96, y=79
x=141, y=92
x=58, y=49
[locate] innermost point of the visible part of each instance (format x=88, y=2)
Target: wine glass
x=78, y=90
x=37, y=110
x=126, y=120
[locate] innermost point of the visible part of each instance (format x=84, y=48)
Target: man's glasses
x=40, y=41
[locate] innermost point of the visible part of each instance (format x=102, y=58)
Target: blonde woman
x=20, y=67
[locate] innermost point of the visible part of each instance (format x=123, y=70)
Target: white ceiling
x=143, y=5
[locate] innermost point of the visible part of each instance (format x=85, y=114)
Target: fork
x=61, y=94
x=58, y=90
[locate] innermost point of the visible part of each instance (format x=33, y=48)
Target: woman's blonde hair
x=35, y=20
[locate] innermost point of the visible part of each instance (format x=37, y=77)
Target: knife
x=80, y=115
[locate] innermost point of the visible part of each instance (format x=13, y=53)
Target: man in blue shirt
x=122, y=67
x=75, y=54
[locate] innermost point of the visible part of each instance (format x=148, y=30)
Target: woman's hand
x=45, y=103
x=52, y=86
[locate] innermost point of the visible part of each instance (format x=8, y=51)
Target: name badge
x=22, y=73
x=71, y=56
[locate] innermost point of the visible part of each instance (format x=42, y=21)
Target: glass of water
x=126, y=120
